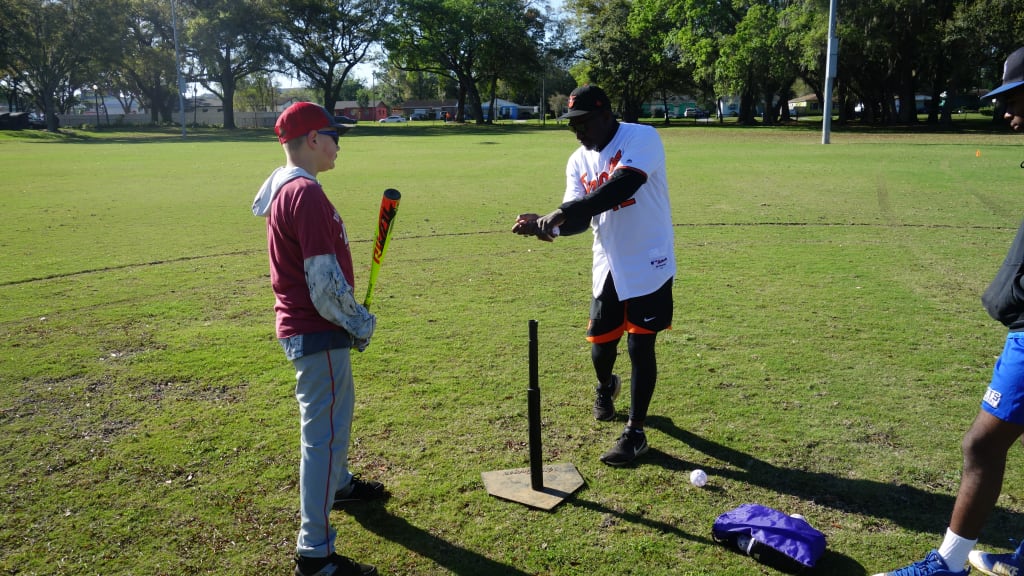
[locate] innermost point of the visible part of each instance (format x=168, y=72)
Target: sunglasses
x=578, y=127
x=332, y=133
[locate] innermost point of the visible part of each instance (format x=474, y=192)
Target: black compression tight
x=644, y=373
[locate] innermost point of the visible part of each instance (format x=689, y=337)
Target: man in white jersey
x=616, y=186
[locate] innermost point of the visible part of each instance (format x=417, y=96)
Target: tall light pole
x=543, y=90
x=96, y=102
x=177, y=67
x=830, y=72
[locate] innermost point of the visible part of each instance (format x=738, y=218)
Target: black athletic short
x=647, y=314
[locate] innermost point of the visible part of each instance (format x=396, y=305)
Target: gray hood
x=273, y=183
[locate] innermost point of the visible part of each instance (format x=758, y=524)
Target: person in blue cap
x=1000, y=422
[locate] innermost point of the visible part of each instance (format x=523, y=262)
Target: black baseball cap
x=1013, y=74
x=584, y=100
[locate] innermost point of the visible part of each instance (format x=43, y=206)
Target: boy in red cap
x=318, y=322
x=1000, y=422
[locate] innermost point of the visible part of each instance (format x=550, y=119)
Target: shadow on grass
x=206, y=134
x=662, y=527
x=157, y=134
x=164, y=133
x=377, y=519
x=908, y=506
x=830, y=563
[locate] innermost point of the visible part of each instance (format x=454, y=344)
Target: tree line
x=762, y=52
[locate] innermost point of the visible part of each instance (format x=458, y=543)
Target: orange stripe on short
x=634, y=329
x=607, y=336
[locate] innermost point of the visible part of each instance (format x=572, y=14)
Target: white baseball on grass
x=698, y=478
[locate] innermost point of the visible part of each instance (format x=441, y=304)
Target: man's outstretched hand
x=530, y=225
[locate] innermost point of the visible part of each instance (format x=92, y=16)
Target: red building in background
x=352, y=109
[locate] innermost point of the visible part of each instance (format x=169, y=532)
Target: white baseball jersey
x=633, y=241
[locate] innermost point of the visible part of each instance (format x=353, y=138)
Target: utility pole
x=177, y=67
x=830, y=72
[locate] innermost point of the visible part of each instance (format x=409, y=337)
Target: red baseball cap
x=301, y=118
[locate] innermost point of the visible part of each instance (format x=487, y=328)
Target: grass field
x=829, y=350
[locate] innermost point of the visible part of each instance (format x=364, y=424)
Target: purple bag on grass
x=773, y=533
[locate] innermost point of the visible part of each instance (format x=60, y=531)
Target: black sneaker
x=630, y=445
x=604, y=402
x=359, y=490
x=332, y=565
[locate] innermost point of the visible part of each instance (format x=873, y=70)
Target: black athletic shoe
x=359, y=490
x=604, y=402
x=332, y=565
x=630, y=445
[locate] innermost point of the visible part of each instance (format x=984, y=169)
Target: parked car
x=694, y=113
x=36, y=120
x=392, y=119
x=340, y=119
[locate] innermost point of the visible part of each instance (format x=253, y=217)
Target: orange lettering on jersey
x=591, y=185
x=614, y=161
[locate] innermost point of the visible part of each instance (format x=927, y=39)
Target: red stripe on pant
x=329, y=498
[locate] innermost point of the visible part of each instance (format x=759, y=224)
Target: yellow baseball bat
x=385, y=220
